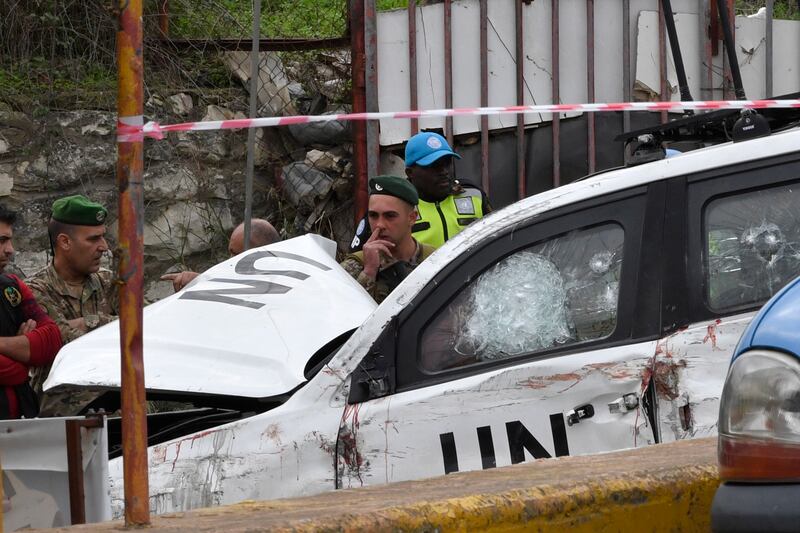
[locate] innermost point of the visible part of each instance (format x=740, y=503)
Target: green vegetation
x=784, y=9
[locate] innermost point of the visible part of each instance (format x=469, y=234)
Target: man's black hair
x=7, y=216
x=54, y=228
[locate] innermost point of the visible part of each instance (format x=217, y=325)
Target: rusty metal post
x=662, y=59
x=413, y=105
x=708, y=38
x=131, y=264
x=714, y=28
x=358, y=66
x=77, y=500
x=255, y=84
x=521, y=185
x=448, y=68
x=556, y=97
x=728, y=35
x=627, y=89
x=590, y=138
x=371, y=82
x=769, y=34
x=727, y=81
x=163, y=18
x=484, y=43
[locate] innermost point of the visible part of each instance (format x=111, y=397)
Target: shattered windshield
x=559, y=292
x=752, y=245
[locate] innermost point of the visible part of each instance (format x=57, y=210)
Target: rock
x=89, y=123
x=211, y=146
x=217, y=189
x=154, y=101
x=185, y=144
x=332, y=89
x=392, y=165
x=158, y=150
x=343, y=188
x=295, y=90
x=16, y=131
x=169, y=182
x=325, y=161
x=193, y=181
x=6, y=183
x=321, y=133
x=157, y=290
x=186, y=228
x=274, y=98
x=304, y=185
x=215, y=112
x=181, y=104
x=29, y=263
x=274, y=145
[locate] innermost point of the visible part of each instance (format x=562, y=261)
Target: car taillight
x=759, y=419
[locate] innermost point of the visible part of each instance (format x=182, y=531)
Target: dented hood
x=246, y=327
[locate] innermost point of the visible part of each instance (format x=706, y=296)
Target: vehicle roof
x=776, y=325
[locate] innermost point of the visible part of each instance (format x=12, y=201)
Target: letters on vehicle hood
x=246, y=327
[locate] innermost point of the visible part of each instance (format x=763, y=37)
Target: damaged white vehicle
x=597, y=316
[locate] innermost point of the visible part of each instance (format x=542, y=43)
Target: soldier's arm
x=355, y=268
x=68, y=329
x=12, y=372
x=111, y=295
x=38, y=347
x=109, y=306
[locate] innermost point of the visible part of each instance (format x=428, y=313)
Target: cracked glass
x=752, y=245
x=561, y=291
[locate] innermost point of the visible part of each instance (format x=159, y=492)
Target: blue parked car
x=759, y=423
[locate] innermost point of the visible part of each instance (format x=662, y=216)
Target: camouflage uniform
x=390, y=273
x=98, y=305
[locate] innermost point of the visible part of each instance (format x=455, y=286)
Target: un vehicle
x=596, y=316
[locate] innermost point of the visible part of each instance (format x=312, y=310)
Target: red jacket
x=45, y=341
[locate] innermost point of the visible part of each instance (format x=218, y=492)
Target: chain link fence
x=58, y=92
x=303, y=176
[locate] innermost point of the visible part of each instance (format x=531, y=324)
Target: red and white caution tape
x=157, y=131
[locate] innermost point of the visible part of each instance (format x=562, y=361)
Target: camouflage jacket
x=98, y=305
x=390, y=273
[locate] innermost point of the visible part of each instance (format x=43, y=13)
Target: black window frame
x=628, y=208
x=705, y=187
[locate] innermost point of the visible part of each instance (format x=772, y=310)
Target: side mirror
x=368, y=384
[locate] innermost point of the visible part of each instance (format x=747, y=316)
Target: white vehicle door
x=741, y=245
x=532, y=344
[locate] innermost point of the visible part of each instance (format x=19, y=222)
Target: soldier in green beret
x=77, y=294
x=390, y=253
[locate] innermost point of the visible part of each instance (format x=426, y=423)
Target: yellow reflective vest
x=439, y=221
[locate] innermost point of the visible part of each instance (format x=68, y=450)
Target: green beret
x=79, y=210
x=394, y=186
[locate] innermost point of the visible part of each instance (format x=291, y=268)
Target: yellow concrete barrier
x=660, y=488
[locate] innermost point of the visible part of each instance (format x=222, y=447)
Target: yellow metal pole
x=131, y=209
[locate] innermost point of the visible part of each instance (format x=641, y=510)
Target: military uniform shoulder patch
x=13, y=296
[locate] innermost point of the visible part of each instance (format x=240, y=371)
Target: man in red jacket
x=28, y=337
